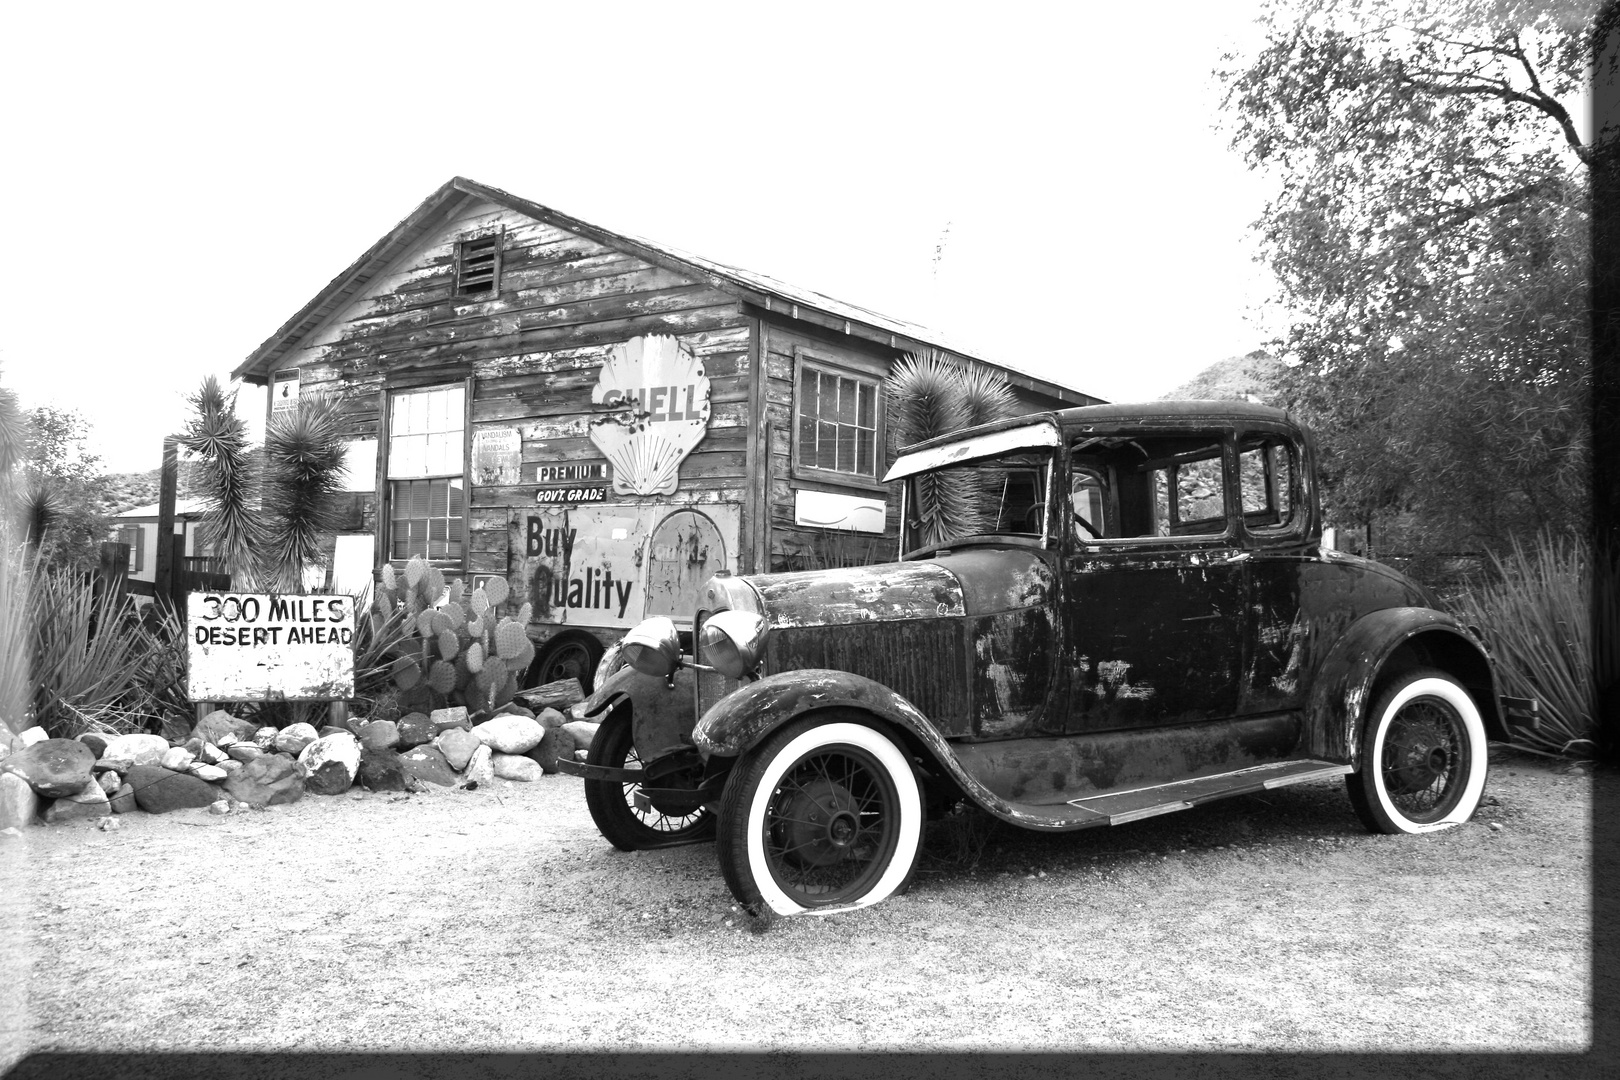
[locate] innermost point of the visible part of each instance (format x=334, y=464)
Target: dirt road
x=500, y=920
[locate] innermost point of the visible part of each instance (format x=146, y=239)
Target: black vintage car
x=1099, y=615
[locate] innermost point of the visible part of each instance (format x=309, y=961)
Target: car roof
x=1173, y=414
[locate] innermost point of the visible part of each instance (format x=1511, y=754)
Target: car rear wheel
x=826, y=814
x=627, y=816
x=1423, y=756
x=568, y=656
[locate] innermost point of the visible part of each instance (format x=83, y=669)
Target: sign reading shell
x=659, y=397
x=269, y=647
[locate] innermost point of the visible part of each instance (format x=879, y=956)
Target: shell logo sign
x=659, y=397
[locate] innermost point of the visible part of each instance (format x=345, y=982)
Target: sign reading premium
x=572, y=482
x=269, y=647
x=659, y=401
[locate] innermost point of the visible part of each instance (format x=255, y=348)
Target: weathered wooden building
x=603, y=421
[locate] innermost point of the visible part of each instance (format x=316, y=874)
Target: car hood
x=978, y=582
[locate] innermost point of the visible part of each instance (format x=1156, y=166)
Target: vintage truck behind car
x=1100, y=615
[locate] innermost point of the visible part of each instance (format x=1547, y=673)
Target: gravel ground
x=499, y=920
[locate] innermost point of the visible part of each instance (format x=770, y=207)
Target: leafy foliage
x=1430, y=237
x=1536, y=619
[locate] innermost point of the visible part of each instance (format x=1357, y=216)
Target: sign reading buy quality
x=267, y=647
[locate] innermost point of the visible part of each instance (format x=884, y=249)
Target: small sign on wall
x=497, y=456
x=269, y=647
x=827, y=510
x=284, y=394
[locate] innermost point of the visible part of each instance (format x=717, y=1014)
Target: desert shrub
x=91, y=656
x=1534, y=613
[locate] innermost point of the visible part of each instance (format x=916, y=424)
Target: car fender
x=742, y=719
x=661, y=716
x=1342, y=689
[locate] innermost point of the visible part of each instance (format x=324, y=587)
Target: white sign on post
x=268, y=647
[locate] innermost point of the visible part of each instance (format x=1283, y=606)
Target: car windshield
x=1003, y=495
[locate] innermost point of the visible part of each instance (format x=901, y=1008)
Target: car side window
x=1140, y=488
x=1266, y=483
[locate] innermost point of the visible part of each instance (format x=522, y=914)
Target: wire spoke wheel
x=823, y=815
x=1423, y=760
x=625, y=814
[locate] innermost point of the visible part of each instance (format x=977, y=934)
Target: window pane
x=807, y=393
x=846, y=401
x=868, y=417
x=828, y=409
x=826, y=445
x=865, y=449
x=846, y=449
x=807, y=439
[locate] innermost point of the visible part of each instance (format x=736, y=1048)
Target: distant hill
x=1251, y=377
x=118, y=492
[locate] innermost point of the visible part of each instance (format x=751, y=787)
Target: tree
x=1429, y=234
x=60, y=497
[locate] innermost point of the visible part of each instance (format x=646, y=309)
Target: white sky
x=183, y=178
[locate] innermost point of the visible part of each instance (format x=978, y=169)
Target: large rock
x=445, y=719
x=551, y=718
x=53, y=767
x=89, y=803
x=219, y=723
x=265, y=738
x=509, y=734
x=583, y=732
x=380, y=770
x=244, y=751
x=178, y=758
x=332, y=762
x=159, y=790
x=109, y=782
x=295, y=738
x=480, y=769
x=457, y=746
x=555, y=743
x=425, y=763
x=129, y=750
x=123, y=800
x=35, y=734
x=96, y=740
x=380, y=735
x=19, y=805
x=211, y=754
x=265, y=781
x=415, y=730
x=204, y=771
x=516, y=767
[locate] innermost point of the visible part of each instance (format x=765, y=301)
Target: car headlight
x=652, y=647
x=732, y=642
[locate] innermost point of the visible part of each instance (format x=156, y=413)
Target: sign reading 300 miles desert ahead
x=268, y=647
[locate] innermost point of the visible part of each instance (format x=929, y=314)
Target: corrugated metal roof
x=755, y=288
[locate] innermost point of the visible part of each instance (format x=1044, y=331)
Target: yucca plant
x=228, y=481
x=304, y=471
x=90, y=653
x=930, y=394
x=1535, y=618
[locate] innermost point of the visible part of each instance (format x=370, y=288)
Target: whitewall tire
x=825, y=815
x=1423, y=756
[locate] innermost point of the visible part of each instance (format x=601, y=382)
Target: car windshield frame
x=989, y=451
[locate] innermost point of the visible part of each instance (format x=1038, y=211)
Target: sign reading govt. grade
x=266, y=647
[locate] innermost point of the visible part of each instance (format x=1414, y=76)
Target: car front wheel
x=1423, y=756
x=628, y=817
x=824, y=815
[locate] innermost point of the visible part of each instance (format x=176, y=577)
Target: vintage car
x=1099, y=615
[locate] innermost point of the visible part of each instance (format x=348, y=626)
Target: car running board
x=1122, y=806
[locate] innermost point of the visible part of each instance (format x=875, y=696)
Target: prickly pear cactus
x=457, y=649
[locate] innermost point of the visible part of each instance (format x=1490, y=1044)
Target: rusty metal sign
x=269, y=647
x=658, y=395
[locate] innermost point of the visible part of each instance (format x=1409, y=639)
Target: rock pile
x=227, y=762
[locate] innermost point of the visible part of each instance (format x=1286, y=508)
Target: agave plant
x=1535, y=618
x=228, y=481
x=930, y=394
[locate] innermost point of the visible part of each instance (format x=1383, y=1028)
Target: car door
x=1153, y=593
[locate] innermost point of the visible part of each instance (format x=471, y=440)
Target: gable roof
x=183, y=508
x=757, y=289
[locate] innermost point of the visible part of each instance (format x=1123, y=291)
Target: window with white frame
x=838, y=417
x=426, y=473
